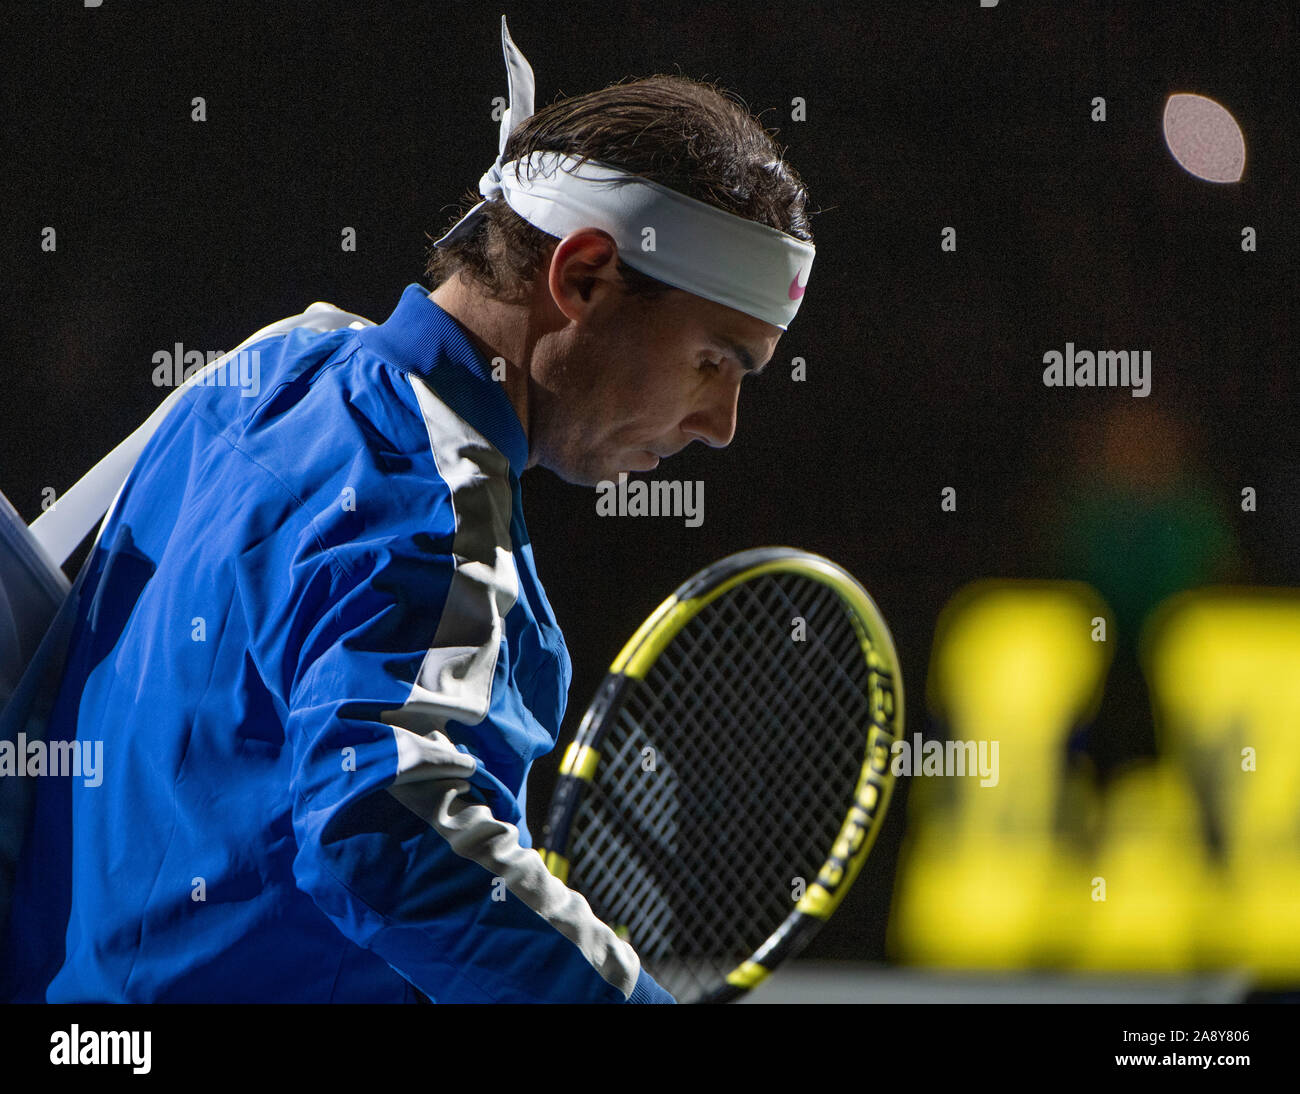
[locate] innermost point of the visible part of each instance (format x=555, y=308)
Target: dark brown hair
x=688, y=135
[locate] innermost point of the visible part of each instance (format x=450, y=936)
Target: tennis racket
x=730, y=776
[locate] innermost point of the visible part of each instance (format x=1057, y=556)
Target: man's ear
x=583, y=267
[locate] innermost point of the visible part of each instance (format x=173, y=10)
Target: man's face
x=634, y=379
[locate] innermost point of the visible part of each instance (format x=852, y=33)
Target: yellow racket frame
x=875, y=783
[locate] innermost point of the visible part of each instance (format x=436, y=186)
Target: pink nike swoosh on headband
x=796, y=290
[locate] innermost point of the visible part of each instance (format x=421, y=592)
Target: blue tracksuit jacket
x=316, y=651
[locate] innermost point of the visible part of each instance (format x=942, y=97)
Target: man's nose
x=715, y=422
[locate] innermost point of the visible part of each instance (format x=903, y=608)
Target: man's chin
x=639, y=461
x=585, y=476
x=628, y=462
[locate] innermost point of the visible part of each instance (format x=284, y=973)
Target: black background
x=924, y=367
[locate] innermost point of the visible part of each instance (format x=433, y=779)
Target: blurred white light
x=1204, y=138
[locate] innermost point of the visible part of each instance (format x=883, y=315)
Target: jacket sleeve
x=408, y=838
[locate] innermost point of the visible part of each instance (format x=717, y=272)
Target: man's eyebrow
x=742, y=354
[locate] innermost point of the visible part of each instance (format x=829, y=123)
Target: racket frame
x=861, y=824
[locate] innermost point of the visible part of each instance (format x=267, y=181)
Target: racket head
x=730, y=776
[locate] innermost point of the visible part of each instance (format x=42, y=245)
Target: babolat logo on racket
x=872, y=792
x=873, y=789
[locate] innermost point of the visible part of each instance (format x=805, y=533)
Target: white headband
x=676, y=239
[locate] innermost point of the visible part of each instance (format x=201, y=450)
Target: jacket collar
x=424, y=339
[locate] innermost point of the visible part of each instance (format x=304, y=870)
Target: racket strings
x=768, y=751
x=761, y=700
x=696, y=847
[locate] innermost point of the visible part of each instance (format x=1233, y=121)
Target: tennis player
x=313, y=641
